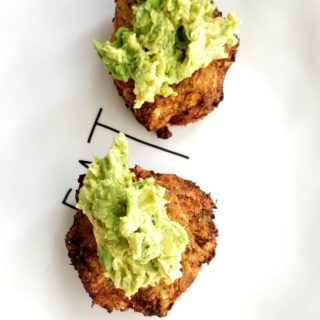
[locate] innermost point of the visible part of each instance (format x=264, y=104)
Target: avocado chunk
x=138, y=244
x=169, y=41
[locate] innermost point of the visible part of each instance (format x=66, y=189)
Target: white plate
x=258, y=154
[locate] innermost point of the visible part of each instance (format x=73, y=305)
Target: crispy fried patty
x=189, y=206
x=197, y=95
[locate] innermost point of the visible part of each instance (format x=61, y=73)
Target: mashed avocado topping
x=169, y=41
x=138, y=244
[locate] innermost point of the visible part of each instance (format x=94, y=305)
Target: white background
x=258, y=154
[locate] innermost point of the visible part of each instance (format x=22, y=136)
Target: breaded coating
x=189, y=206
x=197, y=95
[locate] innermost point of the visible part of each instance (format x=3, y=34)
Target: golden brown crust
x=197, y=95
x=188, y=205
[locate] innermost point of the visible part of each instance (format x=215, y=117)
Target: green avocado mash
x=138, y=244
x=169, y=41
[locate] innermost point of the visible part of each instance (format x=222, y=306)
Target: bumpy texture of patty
x=197, y=95
x=188, y=205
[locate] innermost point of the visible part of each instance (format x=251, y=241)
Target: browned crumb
x=189, y=206
x=197, y=95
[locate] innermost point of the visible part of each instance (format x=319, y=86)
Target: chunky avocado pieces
x=138, y=245
x=169, y=41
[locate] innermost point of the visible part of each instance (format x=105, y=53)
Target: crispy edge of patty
x=197, y=95
x=189, y=206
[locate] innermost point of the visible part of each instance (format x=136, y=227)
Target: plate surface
x=258, y=154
